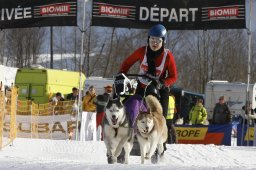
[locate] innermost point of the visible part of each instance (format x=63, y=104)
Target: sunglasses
x=156, y=40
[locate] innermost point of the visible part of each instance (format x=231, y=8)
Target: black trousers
x=164, y=99
x=172, y=135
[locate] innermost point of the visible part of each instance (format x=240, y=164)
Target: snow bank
x=64, y=154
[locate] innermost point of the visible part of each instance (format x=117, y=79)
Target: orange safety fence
x=30, y=120
x=49, y=120
x=2, y=109
x=8, y=105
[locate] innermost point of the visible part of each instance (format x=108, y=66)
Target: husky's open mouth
x=114, y=121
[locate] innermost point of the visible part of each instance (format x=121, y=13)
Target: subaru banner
x=174, y=15
x=39, y=13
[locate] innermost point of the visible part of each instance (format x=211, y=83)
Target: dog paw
x=162, y=154
x=112, y=159
x=121, y=159
x=147, y=156
x=155, y=159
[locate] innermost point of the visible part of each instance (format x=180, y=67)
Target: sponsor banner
x=212, y=134
x=54, y=127
x=245, y=136
x=30, y=13
x=175, y=14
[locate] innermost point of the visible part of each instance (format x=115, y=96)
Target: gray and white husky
x=117, y=132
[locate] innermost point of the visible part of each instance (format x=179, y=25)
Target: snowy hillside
x=63, y=154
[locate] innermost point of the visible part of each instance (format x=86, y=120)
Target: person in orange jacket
x=88, y=100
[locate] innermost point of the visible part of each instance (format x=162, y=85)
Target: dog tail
x=153, y=104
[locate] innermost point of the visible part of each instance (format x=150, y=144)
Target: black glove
x=161, y=84
x=158, y=84
x=119, y=76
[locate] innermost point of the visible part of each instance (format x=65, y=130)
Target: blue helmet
x=158, y=31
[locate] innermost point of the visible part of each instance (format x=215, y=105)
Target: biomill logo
x=232, y=12
x=114, y=10
x=223, y=12
x=55, y=9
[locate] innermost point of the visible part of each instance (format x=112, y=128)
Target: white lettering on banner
x=164, y=13
x=15, y=13
x=184, y=14
x=155, y=14
x=142, y=11
x=173, y=15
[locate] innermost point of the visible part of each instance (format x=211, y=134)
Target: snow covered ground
x=63, y=154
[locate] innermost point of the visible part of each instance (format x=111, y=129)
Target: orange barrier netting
x=42, y=116
x=49, y=120
x=8, y=109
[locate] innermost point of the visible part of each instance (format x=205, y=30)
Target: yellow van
x=39, y=85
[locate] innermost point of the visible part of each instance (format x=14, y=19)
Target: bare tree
x=110, y=52
x=2, y=46
x=212, y=54
x=23, y=46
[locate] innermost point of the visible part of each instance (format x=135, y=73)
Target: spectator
x=221, y=112
x=251, y=115
x=73, y=95
x=198, y=114
x=88, y=120
x=57, y=100
x=58, y=97
x=172, y=136
x=88, y=100
x=101, y=103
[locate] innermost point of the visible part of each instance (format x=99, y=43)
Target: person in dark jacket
x=73, y=95
x=101, y=103
x=221, y=112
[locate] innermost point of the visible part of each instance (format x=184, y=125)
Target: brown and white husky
x=152, y=129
